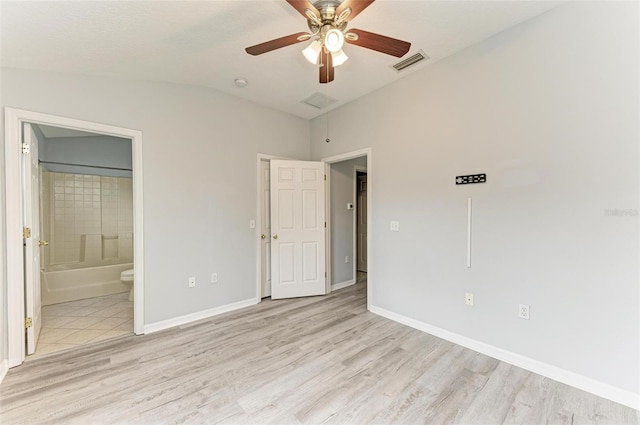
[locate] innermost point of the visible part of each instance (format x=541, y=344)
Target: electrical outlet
x=346, y=258
x=252, y=224
x=394, y=226
x=192, y=282
x=523, y=311
x=214, y=277
x=468, y=299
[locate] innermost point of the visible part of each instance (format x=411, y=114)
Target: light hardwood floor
x=308, y=360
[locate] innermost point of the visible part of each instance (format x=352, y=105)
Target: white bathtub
x=69, y=282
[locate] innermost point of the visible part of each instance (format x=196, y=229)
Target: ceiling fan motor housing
x=328, y=19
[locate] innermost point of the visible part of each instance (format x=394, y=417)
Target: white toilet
x=126, y=277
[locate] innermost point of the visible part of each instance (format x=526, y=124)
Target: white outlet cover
x=523, y=311
x=468, y=299
x=192, y=282
x=394, y=226
x=214, y=277
x=252, y=224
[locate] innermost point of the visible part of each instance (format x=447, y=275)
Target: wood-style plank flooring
x=301, y=361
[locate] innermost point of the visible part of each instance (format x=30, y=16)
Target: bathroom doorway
x=85, y=224
x=90, y=211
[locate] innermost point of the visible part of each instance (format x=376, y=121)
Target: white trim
x=4, y=368
x=368, y=152
x=354, y=257
x=13, y=195
x=573, y=379
x=205, y=314
x=344, y=284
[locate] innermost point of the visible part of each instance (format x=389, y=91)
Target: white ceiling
x=202, y=43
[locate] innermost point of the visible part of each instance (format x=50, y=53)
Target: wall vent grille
x=411, y=60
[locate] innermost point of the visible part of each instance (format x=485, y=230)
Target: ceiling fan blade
x=301, y=5
x=356, y=6
x=326, y=67
x=379, y=43
x=268, y=46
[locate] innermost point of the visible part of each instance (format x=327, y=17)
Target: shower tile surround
x=75, y=323
x=99, y=207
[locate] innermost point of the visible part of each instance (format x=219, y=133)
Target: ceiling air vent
x=411, y=60
x=319, y=100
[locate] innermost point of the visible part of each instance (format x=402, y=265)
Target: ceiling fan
x=327, y=21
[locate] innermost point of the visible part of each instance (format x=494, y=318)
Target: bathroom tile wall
x=76, y=205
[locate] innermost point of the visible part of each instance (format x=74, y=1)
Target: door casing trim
x=13, y=119
x=368, y=152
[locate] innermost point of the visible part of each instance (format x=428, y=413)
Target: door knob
x=275, y=236
x=43, y=243
x=262, y=236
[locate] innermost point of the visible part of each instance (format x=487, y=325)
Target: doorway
x=15, y=123
x=263, y=266
x=360, y=241
x=83, y=184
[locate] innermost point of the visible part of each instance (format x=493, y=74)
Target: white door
x=297, y=229
x=265, y=231
x=362, y=223
x=31, y=220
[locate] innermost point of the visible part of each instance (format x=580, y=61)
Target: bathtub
x=69, y=282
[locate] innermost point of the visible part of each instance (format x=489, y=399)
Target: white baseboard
x=4, y=368
x=341, y=285
x=188, y=318
x=573, y=379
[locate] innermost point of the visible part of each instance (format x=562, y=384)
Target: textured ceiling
x=202, y=43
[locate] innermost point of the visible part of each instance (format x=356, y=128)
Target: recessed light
x=241, y=82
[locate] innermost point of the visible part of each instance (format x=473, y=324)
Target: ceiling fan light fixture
x=339, y=57
x=334, y=40
x=312, y=52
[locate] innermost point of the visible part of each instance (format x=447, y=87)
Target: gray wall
x=549, y=110
x=94, y=152
x=199, y=156
x=342, y=192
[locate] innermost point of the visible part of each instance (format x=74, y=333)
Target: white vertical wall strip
x=469, y=201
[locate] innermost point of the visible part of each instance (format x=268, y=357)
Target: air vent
x=411, y=60
x=319, y=100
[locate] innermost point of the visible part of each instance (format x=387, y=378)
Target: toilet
x=126, y=277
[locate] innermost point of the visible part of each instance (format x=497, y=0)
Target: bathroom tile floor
x=75, y=323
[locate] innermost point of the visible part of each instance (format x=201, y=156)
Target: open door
x=32, y=243
x=265, y=230
x=297, y=229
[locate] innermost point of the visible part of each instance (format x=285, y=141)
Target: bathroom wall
x=96, y=155
x=98, y=207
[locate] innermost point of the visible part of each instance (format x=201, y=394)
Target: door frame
x=357, y=169
x=13, y=120
x=260, y=157
x=368, y=152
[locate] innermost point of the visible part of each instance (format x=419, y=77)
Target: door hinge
x=325, y=275
x=325, y=177
x=325, y=224
x=26, y=232
x=28, y=322
x=26, y=148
